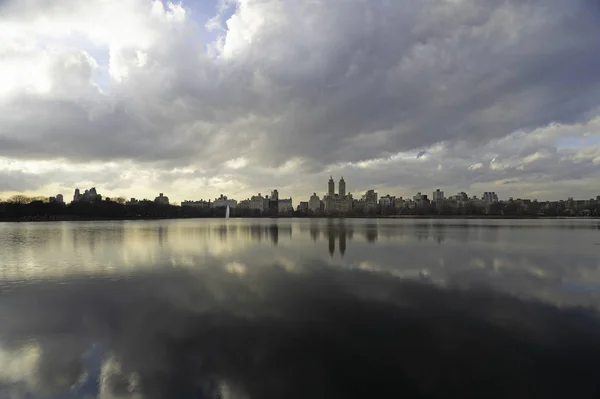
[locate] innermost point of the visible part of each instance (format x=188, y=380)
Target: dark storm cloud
x=424, y=73
x=316, y=333
x=329, y=81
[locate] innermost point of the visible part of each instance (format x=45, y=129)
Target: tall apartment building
x=314, y=203
x=258, y=203
x=162, y=199
x=223, y=202
x=387, y=201
x=89, y=195
x=337, y=203
x=370, y=200
x=490, y=197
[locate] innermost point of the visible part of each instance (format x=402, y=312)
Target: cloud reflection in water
x=318, y=332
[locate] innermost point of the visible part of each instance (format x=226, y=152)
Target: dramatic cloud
x=464, y=94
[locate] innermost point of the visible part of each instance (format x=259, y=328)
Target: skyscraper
x=342, y=187
x=331, y=186
x=337, y=203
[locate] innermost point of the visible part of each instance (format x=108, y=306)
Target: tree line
x=20, y=207
x=23, y=208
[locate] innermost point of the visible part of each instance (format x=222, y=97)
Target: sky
x=239, y=97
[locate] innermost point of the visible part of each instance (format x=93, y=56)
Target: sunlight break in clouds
x=281, y=93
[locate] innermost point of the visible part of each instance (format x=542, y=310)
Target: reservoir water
x=300, y=308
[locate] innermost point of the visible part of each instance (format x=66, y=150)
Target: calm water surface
x=286, y=308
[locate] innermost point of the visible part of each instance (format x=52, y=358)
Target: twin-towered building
x=337, y=203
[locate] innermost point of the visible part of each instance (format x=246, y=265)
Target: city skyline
x=329, y=200
x=195, y=99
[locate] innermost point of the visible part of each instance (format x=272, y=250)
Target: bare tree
x=20, y=199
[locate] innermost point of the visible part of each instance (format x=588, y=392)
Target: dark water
x=300, y=309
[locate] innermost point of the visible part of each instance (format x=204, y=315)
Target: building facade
x=285, y=206
x=370, y=200
x=337, y=203
x=196, y=204
x=421, y=199
x=224, y=202
x=490, y=197
x=59, y=199
x=88, y=195
x=302, y=206
x=161, y=199
x=259, y=203
x=314, y=203
x=387, y=201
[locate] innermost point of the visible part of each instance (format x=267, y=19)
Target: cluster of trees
x=21, y=207
x=33, y=208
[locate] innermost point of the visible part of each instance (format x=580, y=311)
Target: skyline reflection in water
x=540, y=258
x=321, y=308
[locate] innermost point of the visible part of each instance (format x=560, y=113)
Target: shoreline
x=457, y=217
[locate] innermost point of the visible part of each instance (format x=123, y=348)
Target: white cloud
x=237, y=163
x=19, y=365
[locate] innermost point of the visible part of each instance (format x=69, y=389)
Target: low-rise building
x=358, y=205
x=478, y=203
x=303, y=206
x=196, y=204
